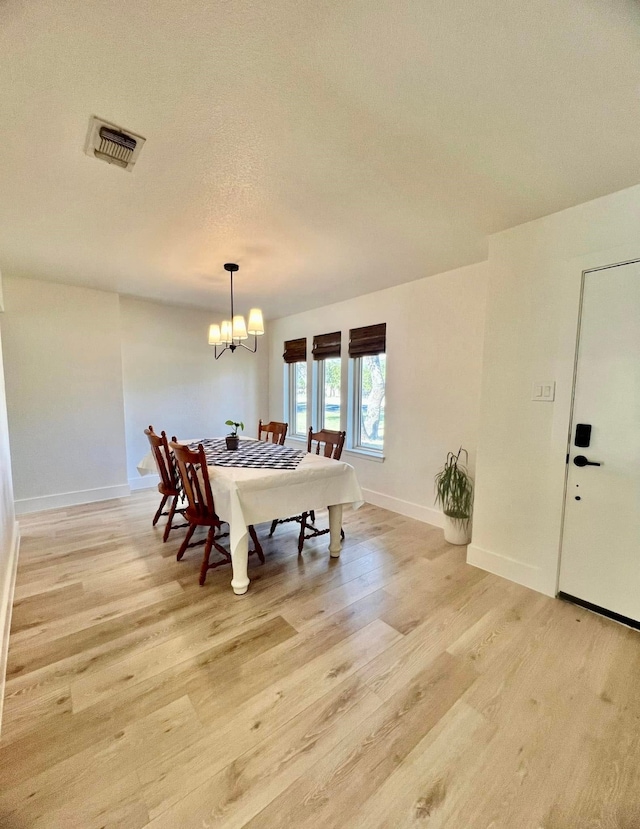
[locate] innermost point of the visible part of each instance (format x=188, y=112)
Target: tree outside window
x=300, y=397
x=331, y=393
x=372, y=399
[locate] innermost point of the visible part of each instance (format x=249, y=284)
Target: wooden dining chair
x=201, y=511
x=169, y=486
x=274, y=431
x=329, y=443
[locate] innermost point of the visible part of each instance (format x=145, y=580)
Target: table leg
x=239, y=561
x=335, y=525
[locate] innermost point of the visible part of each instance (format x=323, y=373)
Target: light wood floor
x=395, y=687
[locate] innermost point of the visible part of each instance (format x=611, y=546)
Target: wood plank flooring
x=393, y=688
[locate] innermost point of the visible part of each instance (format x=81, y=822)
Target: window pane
x=300, y=383
x=331, y=393
x=372, y=382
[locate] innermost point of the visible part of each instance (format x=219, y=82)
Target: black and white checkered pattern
x=253, y=454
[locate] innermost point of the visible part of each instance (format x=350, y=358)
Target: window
x=295, y=358
x=329, y=385
x=316, y=399
x=367, y=348
x=298, y=415
x=326, y=354
x=369, y=382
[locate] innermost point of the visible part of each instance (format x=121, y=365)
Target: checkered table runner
x=253, y=454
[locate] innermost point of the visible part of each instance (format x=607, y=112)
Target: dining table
x=269, y=482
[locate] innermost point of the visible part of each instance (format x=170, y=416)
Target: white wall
x=87, y=371
x=531, y=328
x=173, y=382
x=434, y=358
x=64, y=394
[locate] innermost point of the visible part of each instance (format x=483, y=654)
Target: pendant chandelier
x=231, y=333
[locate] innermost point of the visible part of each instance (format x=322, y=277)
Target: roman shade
x=326, y=345
x=295, y=351
x=368, y=340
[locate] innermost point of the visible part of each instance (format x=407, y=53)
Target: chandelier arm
x=255, y=345
x=217, y=356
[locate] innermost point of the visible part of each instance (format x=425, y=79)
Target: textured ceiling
x=331, y=147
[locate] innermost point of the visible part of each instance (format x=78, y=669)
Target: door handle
x=580, y=460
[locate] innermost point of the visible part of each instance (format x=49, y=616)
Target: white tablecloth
x=251, y=496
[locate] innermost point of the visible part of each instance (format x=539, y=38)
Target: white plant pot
x=457, y=532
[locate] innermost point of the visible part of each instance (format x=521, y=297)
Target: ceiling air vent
x=113, y=144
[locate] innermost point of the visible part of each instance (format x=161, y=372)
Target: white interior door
x=600, y=561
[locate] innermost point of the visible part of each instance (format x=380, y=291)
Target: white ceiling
x=331, y=147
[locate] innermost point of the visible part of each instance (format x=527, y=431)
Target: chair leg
x=172, y=512
x=303, y=525
x=256, y=543
x=185, y=543
x=313, y=516
x=274, y=524
x=205, y=557
x=165, y=498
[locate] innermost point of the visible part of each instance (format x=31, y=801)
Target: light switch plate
x=544, y=391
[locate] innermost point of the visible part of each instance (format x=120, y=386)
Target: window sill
x=357, y=453
x=370, y=455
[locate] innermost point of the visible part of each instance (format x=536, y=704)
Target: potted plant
x=454, y=493
x=232, y=438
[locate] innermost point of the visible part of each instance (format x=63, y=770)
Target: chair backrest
x=192, y=468
x=160, y=448
x=329, y=440
x=274, y=431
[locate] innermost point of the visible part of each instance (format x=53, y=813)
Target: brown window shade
x=295, y=351
x=368, y=340
x=326, y=345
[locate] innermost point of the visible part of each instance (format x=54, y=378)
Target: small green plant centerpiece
x=454, y=493
x=232, y=438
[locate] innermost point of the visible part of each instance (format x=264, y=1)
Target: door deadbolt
x=583, y=435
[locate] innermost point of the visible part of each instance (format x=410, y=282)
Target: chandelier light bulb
x=256, y=323
x=239, y=328
x=226, y=332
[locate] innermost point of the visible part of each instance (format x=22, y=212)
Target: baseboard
x=144, y=482
x=70, y=499
x=7, y=585
x=408, y=508
x=525, y=574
